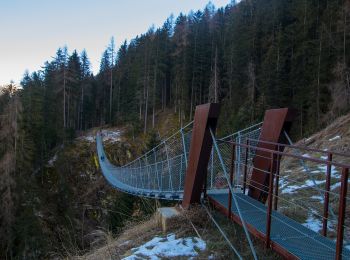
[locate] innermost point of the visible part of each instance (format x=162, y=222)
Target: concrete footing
x=164, y=215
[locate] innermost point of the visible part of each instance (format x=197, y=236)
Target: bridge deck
x=287, y=236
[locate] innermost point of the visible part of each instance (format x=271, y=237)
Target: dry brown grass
x=188, y=224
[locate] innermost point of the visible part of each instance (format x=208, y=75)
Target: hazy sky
x=32, y=30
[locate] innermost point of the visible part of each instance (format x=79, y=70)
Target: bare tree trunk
x=318, y=81
x=193, y=73
x=154, y=89
x=118, y=97
x=111, y=97
x=216, y=82
x=82, y=107
x=64, y=97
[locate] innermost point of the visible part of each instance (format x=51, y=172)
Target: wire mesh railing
x=161, y=171
x=216, y=179
x=158, y=173
x=290, y=185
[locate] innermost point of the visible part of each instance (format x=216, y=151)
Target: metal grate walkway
x=286, y=233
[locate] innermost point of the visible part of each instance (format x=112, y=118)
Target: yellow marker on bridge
x=96, y=161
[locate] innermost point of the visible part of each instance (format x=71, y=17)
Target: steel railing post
x=341, y=214
x=269, y=205
x=184, y=145
x=326, y=194
x=232, y=168
x=212, y=168
x=180, y=172
x=169, y=168
x=245, y=166
x=278, y=164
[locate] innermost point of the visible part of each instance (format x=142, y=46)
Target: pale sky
x=32, y=30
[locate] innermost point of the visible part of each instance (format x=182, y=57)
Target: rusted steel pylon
x=206, y=117
x=275, y=122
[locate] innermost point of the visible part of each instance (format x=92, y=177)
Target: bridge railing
x=216, y=179
x=308, y=185
x=160, y=171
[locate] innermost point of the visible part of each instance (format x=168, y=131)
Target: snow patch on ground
x=107, y=136
x=111, y=136
x=313, y=223
x=90, y=139
x=336, y=185
x=308, y=184
x=334, y=172
x=320, y=198
x=167, y=247
x=52, y=160
x=334, y=138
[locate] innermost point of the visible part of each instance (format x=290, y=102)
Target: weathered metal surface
x=288, y=238
x=341, y=214
x=275, y=122
x=326, y=195
x=206, y=117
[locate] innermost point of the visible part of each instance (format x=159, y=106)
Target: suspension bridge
x=240, y=175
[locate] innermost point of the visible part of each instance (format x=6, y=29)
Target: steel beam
x=206, y=117
x=275, y=122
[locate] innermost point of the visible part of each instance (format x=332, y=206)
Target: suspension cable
x=221, y=231
x=307, y=169
x=233, y=195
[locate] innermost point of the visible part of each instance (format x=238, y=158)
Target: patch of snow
x=288, y=171
x=335, y=185
x=309, y=139
x=308, y=184
x=316, y=171
x=88, y=138
x=52, y=160
x=125, y=243
x=334, y=172
x=168, y=247
x=282, y=182
x=323, y=157
x=111, y=136
x=313, y=223
x=334, y=138
x=320, y=198
x=306, y=155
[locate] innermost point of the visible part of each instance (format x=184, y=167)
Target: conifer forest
x=249, y=56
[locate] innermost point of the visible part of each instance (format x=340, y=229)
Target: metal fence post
x=278, y=164
x=326, y=194
x=269, y=206
x=245, y=166
x=184, y=145
x=212, y=169
x=169, y=168
x=232, y=168
x=341, y=215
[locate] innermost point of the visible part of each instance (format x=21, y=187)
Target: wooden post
x=206, y=117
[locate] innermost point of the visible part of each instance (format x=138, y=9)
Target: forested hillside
x=250, y=56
